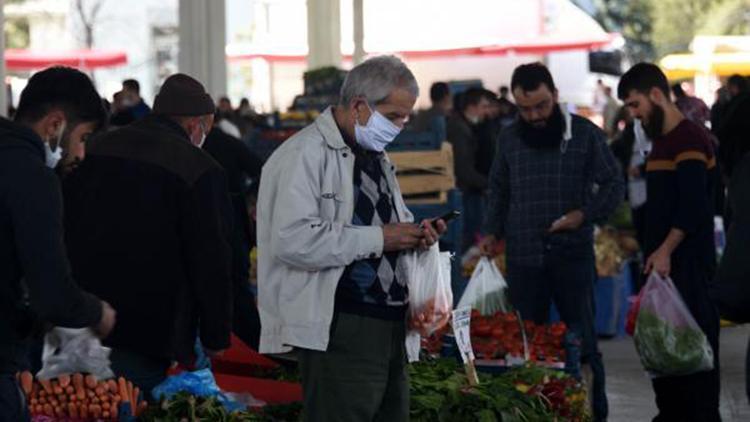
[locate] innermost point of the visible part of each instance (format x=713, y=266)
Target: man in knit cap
x=147, y=217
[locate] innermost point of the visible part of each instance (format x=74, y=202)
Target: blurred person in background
x=240, y=166
x=610, y=113
x=488, y=131
x=463, y=135
x=434, y=118
x=132, y=100
x=692, y=107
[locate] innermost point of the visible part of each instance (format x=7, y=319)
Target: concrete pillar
x=359, y=33
x=323, y=33
x=202, y=45
x=4, y=90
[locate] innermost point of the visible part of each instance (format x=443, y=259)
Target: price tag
x=461, y=330
x=461, y=327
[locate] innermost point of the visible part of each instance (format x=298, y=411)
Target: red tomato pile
x=499, y=336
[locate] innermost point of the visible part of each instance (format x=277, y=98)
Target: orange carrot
x=64, y=380
x=95, y=410
x=91, y=381
x=133, y=404
x=47, y=385
x=78, y=385
x=73, y=410
x=123, y=388
x=27, y=380
x=112, y=386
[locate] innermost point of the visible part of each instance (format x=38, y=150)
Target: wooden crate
x=425, y=177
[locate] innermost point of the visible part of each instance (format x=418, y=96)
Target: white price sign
x=461, y=330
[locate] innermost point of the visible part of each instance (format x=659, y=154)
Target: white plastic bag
x=428, y=275
x=486, y=291
x=668, y=339
x=69, y=350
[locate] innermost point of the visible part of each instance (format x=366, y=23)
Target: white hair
x=376, y=78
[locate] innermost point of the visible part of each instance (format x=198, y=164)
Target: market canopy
x=685, y=66
x=85, y=59
x=542, y=45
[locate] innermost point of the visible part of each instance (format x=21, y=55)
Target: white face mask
x=474, y=120
x=51, y=158
x=377, y=134
x=203, y=135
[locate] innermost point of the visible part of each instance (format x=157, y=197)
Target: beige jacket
x=305, y=235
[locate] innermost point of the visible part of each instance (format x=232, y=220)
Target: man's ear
x=657, y=96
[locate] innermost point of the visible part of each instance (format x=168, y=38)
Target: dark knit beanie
x=181, y=95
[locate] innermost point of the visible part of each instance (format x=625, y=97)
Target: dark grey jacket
x=530, y=188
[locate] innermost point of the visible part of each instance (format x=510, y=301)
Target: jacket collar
x=24, y=134
x=168, y=124
x=330, y=130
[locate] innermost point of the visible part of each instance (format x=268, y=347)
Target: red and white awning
x=84, y=59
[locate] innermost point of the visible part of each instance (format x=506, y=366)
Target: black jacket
x=239, y=163
x=465, y=149
x=147, y=227
x=35, y=278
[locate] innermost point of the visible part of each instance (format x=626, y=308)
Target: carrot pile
x=80, y=397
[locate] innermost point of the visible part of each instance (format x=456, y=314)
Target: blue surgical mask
x=377, y=133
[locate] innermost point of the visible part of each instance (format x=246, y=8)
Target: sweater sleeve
x=607, y=177
x=692, y=184
x=36, y=211
x=206, y=221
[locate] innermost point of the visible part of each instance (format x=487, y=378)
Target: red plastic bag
x=635, y=305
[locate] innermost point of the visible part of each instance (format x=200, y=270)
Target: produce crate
x=409, y=140
x=425, y=177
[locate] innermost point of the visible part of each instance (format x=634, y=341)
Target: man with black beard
x=553, y=177
x=681, y=177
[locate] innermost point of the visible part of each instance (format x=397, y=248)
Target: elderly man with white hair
x=331, y=226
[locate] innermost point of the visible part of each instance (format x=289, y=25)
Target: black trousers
x=692, y=397
x=567, y=279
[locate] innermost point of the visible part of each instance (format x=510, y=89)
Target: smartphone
x=449, y=216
